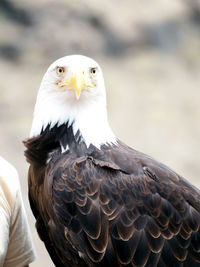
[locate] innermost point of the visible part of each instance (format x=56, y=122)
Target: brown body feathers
x=110, y=207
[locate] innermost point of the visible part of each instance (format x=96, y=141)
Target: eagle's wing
x=40, y=224
x=147, y=218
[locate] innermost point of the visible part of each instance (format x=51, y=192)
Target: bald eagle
x=98, y=202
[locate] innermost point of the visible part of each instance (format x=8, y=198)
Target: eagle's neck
x=89, y=120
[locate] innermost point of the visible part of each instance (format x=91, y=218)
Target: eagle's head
x=76, y=78
x=72, y=91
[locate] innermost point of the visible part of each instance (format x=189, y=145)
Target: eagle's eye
x=93, y=71
x=60, y=71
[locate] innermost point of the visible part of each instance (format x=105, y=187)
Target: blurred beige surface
x=150, y=55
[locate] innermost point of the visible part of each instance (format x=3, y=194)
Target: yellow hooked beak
x=77, y=82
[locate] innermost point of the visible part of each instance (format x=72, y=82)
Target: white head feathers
x=72, y=90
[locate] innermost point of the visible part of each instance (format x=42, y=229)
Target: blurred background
x=150, y=54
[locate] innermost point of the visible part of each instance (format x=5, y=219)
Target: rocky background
x=150, y=53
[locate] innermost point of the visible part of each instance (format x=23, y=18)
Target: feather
x=142, y=252
x=92, y=229
x=125, y=249
x=101, y=242
x=155, y=244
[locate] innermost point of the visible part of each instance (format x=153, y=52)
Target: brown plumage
x=113, y=207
